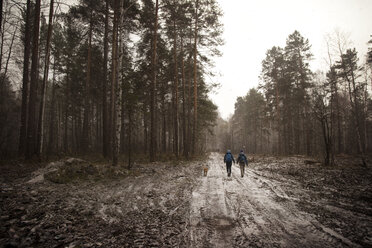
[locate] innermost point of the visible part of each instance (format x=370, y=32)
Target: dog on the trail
x=205, y=170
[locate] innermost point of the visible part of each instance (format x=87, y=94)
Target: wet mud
x=280, y=202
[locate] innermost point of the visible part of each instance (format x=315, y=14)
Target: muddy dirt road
x=252, y=211
x=280, y=202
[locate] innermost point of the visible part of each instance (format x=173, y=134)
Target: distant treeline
x=297, y=111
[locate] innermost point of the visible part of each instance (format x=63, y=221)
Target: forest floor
x=280, y=202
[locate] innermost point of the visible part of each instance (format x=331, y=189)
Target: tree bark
x=164, y=128
x=1, y=12
x=119, y=82
x=183, y=102
x=66, y=102
x=189, y=119
x=195, y=119
x=2, y=27
x=25, y=82
x=105, y=132
x=130, y=118
x=114, y=77
x=175, y=97
x=85, y=144
x=31, y=127
x=52, y=132
x=153, y=90
x=40, y=135
x=278, y=116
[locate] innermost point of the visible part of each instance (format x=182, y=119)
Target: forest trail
x=280, y=202
x=251, y=211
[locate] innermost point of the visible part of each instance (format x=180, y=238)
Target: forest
x=131, y=77
x=107, y=77
x=295, y=111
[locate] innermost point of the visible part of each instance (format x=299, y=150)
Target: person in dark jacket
x=242, y=161
x=228, y=159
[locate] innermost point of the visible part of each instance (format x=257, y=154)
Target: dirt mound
x=75, y=169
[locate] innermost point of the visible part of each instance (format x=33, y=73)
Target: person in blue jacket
x=228, y=159
x=242, y=161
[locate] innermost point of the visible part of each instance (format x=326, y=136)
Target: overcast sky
x=253, y=27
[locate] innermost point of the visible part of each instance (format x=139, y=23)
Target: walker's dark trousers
x=228, y=167
x=242, y=166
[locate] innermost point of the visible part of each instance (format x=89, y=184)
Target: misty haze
x=185, y=123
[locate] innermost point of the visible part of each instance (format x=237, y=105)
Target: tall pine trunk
x=114, y=77
x=117, y=56
x=25, y=81
x=189, y=118
x=66, y=103
x=52, y=132
x=1, y=12
x=105, y=123
x=164, y=128
x=2, y=27
x=278, y=115
x=130, y=125
x=175, y=97
x=153, y=129
x=85, y=144
x=195, y=119
x=40, y=134
x=183, y=102
x=31, y=126
x=118, y=87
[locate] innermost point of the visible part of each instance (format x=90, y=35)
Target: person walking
x=228, y=159
x=242, y=161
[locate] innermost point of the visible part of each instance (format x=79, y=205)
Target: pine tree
x=153, y=126
x=297, y=56
x=349, y=72
x=31, y=125
x=40, y=135
x=25, y=80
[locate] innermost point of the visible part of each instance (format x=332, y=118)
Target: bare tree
x=9, y=54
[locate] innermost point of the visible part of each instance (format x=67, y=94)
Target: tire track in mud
x=251, y=211
x=212, y=220
x=311, y=233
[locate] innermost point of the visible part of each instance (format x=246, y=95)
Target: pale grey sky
x=253, y=27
